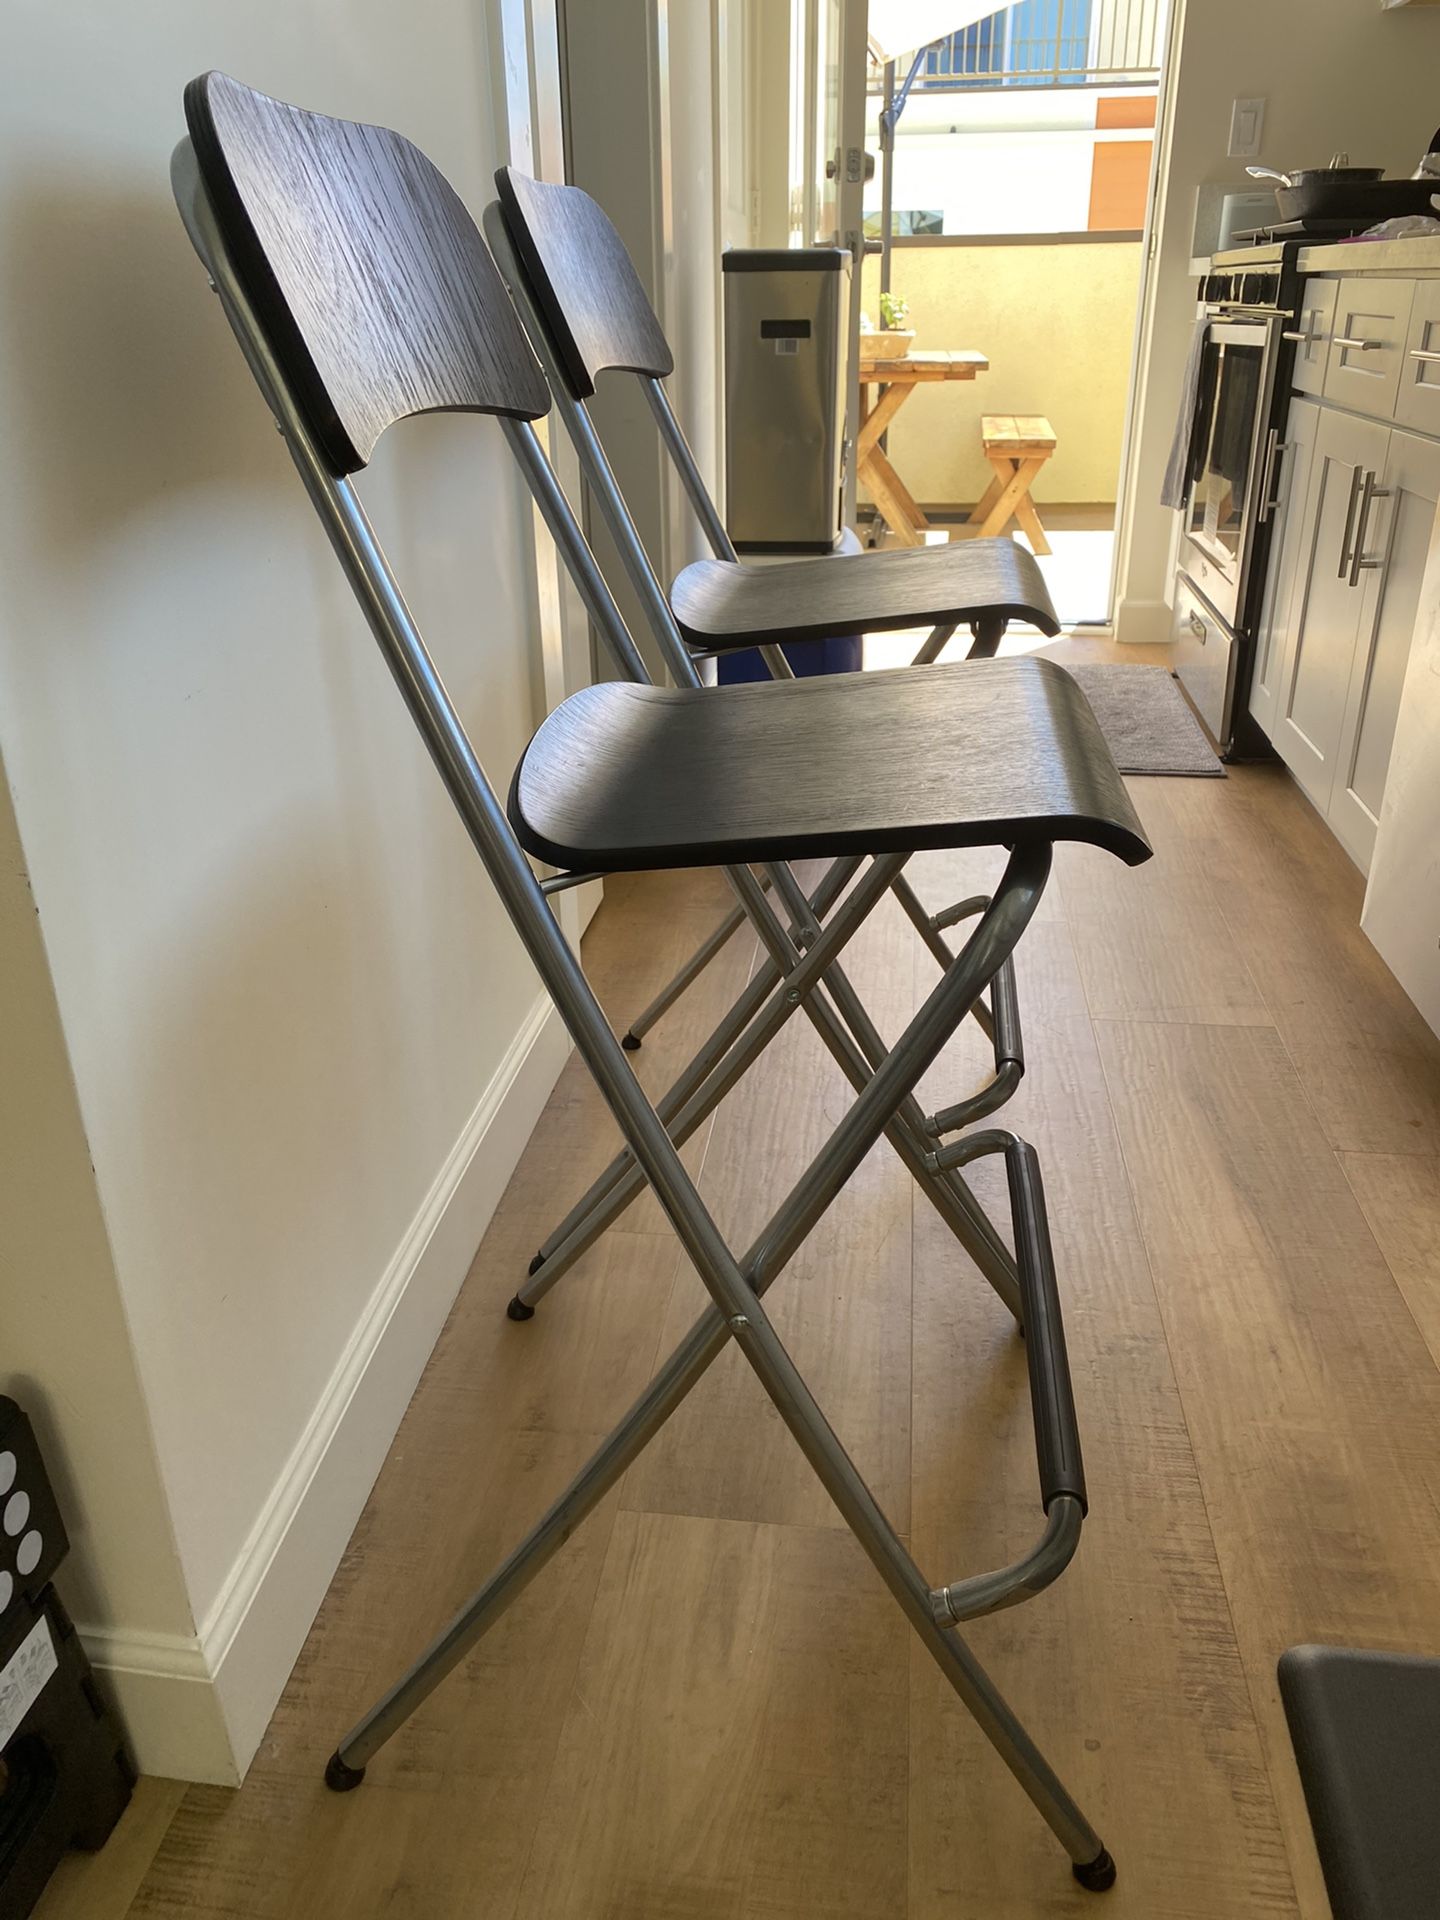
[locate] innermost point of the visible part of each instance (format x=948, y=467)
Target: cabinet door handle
x=1357, y=475
x=1358, y=346
x=1198, y=628
x=1369, y=494
x=1427, y=354
x=1300, y=339
x=1274, y=447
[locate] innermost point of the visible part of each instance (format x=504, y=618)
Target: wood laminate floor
x=707, y=1706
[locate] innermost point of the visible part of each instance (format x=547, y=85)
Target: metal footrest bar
x=926, y=926
x=1009, y=1061
x=1052, y=1397
x=962, y=910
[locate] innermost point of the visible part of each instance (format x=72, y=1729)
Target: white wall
x=1337, y=74
x=305, y=1046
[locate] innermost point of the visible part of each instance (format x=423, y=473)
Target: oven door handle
x=1267, y=314
x=1357, y=475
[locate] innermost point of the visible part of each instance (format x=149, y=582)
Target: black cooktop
x=1305, y=230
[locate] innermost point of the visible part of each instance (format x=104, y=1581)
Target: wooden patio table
x=885, y=386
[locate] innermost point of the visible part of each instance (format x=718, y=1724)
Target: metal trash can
x=786, y=349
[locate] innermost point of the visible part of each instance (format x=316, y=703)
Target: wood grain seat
x=720, y=604
x=1017, y=433
x=993, y=752
x=1017, y=445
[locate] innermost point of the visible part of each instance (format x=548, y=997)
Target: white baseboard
x=196, y=1709
x=1143, y=620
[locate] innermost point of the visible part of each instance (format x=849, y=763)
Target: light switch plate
x=1247, y=129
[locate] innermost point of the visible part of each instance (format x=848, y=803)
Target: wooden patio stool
x=1017, y=445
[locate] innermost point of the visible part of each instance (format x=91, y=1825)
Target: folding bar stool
x=588, y=314
x=361, y=293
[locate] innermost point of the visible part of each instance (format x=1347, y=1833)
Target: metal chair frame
x=704, y=1082
x=735, y=1284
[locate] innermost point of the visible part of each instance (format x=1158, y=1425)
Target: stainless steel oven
x=1240, y=399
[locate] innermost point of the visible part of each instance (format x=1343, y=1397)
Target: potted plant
x=893, y=339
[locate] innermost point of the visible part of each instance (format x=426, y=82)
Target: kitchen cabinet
x=1392, y=552
x=1325, y=603
x=1418, y=403
x=1314, y=329
x=1290, y=469
x=1367, y=348
x=1348, y=574
x=1402, y=902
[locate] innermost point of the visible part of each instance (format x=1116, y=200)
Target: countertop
x=1420, y=256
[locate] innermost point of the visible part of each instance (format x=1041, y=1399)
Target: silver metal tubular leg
x=858, y=1059
x=846, y=1147
x=737, y=1311
x=691, y=478
x=609, y=1198
x=684, y=979
x=573, y=1235
x=936, y=644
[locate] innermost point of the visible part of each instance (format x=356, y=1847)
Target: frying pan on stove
x=1346, y=193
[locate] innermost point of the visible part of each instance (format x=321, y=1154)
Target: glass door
x=1223, y=477
x=828, y=54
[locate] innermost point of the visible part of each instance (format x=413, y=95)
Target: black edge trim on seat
x=537, y=280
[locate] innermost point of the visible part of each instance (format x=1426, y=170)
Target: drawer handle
x=1427, y=354
x=1198, y=628
x=1358, y=346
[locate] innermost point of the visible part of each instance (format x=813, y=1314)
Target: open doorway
x=1016, y=184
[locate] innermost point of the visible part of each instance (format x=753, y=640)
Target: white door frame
x=1157, y=627
x=524, y=40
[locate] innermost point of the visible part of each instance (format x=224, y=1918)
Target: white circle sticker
x=7, y=1470
x=27, y=1554
x=7, y=1587
x=17, y=1512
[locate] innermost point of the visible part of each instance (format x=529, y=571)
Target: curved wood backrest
x=583, y=281
x=372, y=281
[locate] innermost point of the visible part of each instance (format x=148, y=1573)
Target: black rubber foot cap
x=631, y=1043
x=517, y=1310
x=536, y=1264
x=1099, y=1875
x=340, y=1778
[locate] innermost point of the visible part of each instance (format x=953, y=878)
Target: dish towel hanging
x=1172, y=489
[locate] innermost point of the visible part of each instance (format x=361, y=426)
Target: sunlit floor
x=1077, y=574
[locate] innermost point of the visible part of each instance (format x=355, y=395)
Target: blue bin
x=805, y=657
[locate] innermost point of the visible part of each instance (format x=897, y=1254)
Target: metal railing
x=1038, y=43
